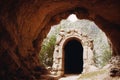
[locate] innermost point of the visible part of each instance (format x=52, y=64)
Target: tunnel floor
x=73, y=57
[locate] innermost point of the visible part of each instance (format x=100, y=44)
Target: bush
x=46, y=53
x=102, y=50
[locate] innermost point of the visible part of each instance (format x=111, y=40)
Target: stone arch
x=62, y=39
x=26, y=24
x=82, y=13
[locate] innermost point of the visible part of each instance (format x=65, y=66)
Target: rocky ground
x=70, y=77
x=96, y=75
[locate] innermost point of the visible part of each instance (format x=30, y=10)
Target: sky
x=72, y=18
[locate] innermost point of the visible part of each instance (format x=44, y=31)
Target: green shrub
x=46, y=53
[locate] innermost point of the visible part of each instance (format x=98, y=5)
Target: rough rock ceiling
x=24, y=24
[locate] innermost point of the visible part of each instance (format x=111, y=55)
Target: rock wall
x=24, y=24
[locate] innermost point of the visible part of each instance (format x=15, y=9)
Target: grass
x=91, y=75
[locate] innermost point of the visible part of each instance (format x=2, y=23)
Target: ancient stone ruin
x=25, y=23
x=85, y=55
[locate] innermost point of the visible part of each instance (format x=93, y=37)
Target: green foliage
x=92, y=75
x=106, y=56
x=46, y=53
x=102, y=50
x=103, y=59
x=48, y=45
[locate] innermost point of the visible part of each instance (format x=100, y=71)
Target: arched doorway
x=71, y=50
x=73, y=58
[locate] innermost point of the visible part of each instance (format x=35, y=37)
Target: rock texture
x=25, y=23
x=59, y=54
x=115, y=66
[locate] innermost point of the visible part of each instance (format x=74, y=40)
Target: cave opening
x=53, y=53
x=73, y=52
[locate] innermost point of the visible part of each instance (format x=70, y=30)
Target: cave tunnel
x=73, y=57
x=24, y=24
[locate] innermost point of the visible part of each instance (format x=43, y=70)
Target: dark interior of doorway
x=73, y=57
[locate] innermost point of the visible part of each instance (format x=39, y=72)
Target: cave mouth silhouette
x=73, y=57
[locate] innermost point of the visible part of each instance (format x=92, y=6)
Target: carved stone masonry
x=62, y=39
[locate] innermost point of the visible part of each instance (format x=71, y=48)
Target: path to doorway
x=70, y=77
x=102, y=74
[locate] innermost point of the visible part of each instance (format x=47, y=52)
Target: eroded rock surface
x=24, y=24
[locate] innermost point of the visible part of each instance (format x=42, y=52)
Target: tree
x=102, y=48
